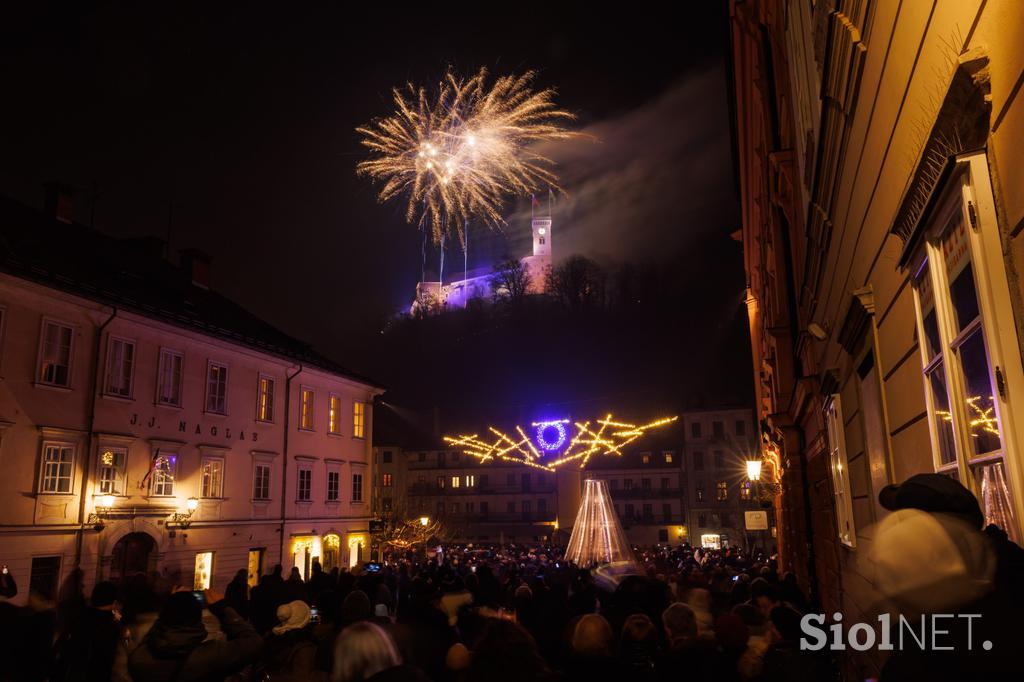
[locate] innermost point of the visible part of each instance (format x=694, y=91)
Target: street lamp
x=754, y=469
x=424, y=521
x=184, y=519
x=104, y=503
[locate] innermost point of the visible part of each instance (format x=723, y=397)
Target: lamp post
x=754, y=476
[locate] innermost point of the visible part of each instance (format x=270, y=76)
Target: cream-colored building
x=879, y=155
x=149, y=424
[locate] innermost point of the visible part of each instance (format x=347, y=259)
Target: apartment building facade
x=878, y=156
x=150, y=425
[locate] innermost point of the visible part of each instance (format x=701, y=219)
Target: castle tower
x=538, y=263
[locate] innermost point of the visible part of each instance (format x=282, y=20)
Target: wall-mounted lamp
x=104, y=504
x=184, y=519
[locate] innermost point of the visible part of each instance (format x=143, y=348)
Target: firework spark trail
x=458, y=153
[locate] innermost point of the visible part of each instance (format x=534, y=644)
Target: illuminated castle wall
x=477, y=283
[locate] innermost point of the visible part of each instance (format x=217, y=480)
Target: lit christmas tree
x=597, y=536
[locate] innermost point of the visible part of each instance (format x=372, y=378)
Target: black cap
x=933, y=493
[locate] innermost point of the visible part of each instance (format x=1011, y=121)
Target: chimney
x=196, y=266
x=59, y=201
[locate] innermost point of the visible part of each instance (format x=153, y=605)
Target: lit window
x=668, y=458
x=304, y=492
x=722, y=491
x=359, y=419
x=165, y=469
x=952, y=286
x=745, y=491
x=261, y=482
x=265, y=399
x=334, y=485
x=440, y=482
x=204, y=571
x=111, y=471
x=386, y=480
x=55, y=352
x=168, y=389
x=306, y=409
x=216, y=388
x=334, y=414
x=120, y=363
x=645, y=458
x=212, y=481
x=455, y=481
x=357, y=487
x=840, y=473
x=470, y=480
x=58, y=467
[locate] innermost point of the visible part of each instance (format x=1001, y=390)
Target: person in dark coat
x=237, y=593
x=295, y=587
x=90, y=647
x=176, y=648
x=289, y=651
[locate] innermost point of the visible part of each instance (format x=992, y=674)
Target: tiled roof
x=132, y=274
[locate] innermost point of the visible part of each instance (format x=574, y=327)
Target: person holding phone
x=176, y=647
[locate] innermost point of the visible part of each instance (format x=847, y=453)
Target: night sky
x=243, y=120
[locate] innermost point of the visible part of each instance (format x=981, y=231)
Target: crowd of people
x=462, y=614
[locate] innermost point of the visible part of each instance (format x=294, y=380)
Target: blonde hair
x=361, y=651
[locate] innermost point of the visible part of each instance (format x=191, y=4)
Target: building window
x=645, y=458
x=741, y=427
x=719, y=459
x=745, y=490
x=666, y=512
x=44, y=576
x=55, y=352
x=698, y=461
x=702, y=520
x=526, y=509
x=542, y=507
x=455, y=481
x=510, y=479
x=334, y=414
x=484, y=481
x=695, y=429
x=511, y=507
x=357, y=487
x=120, y=366
x=58, y=468
x=953, y=292
x=216, y=388
x=304, y=492
x=386, y=480
x=613, y=484
x=726, y=519
x=664, y=484
x=470, y=480
x=386, y=504
x=422, y=457
x=359, y=419
x=722, y=491
x=212, y=481
x=469, y=507
x=645, y=484
x=261, y=482
x=165, y=470
x=334, y=485
x=440, y=482
x=484, y=508
x=668, y=457
x=168, y=383
x=204, y=571
x=111, y=471
x=648, y=511
x=629, y=511
x=840, y=471
x=627, y=484
x=700, y=493
x=440, y=508
x=718, y=429
x=265, y=399
x=306, y=397
x=455, y=507
x=386, y=457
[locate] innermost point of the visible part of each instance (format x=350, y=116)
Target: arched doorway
x=332, y=551
x=133, y=554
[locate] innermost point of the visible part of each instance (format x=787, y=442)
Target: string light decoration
x=603, y=437
x=597, y=536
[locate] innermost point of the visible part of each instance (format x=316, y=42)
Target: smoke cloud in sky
x=647, y=183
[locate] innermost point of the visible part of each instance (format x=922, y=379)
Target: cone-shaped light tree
x=597, y=536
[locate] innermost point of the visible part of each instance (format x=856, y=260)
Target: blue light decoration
x=542, y=436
